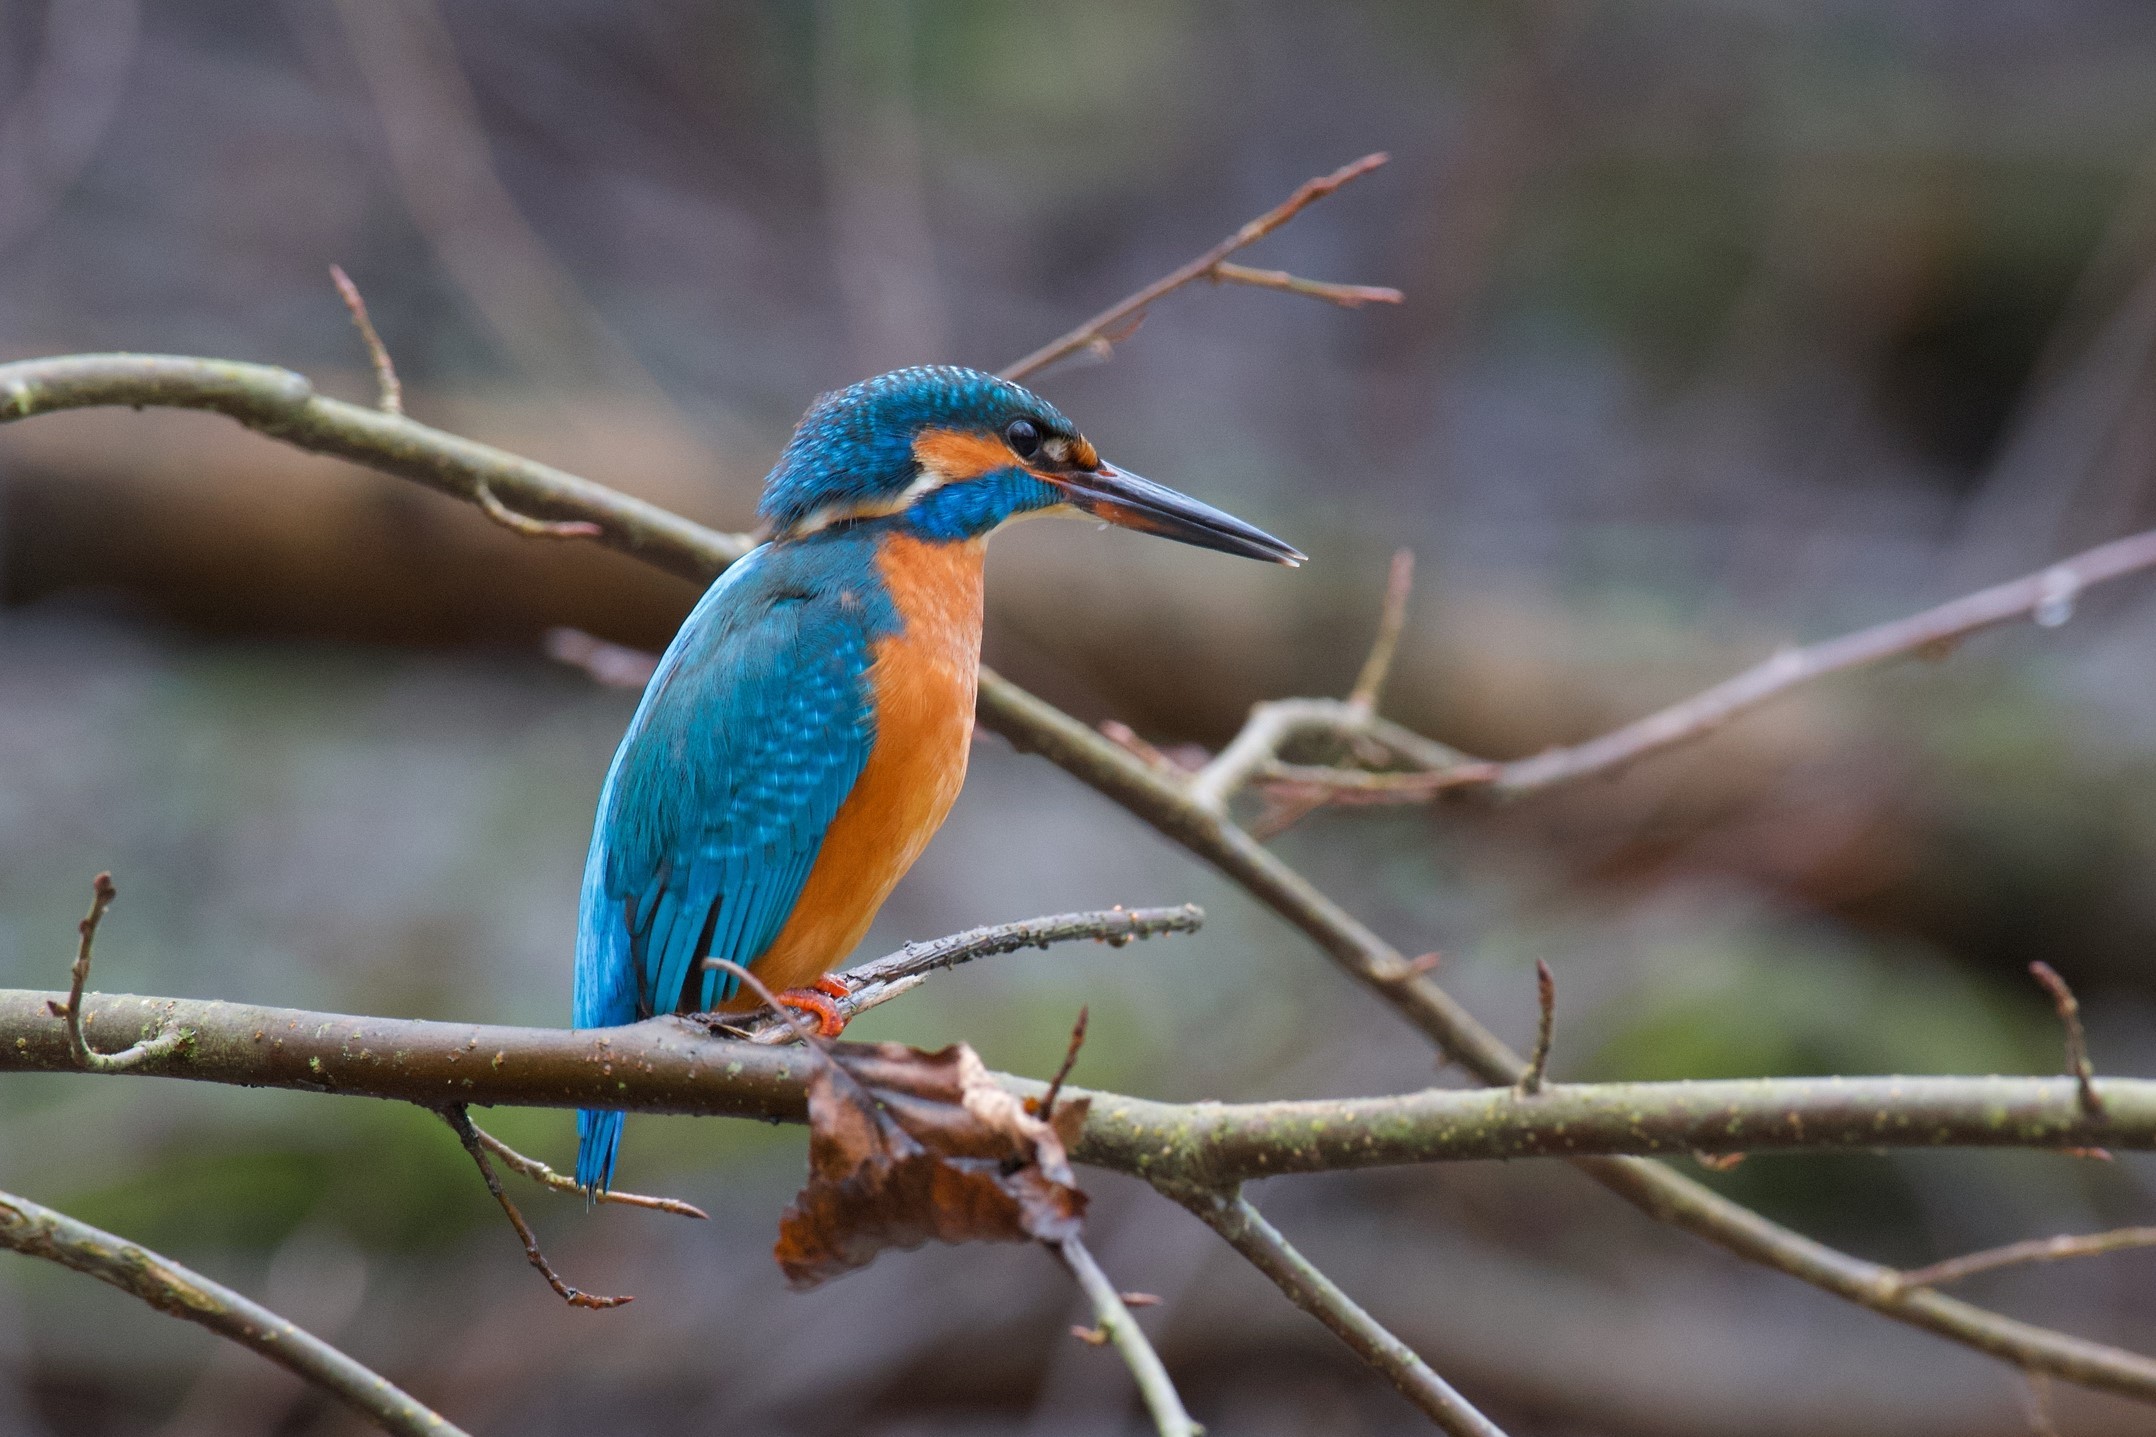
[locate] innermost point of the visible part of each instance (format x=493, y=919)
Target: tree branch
x=664, y=1065
x=1112, y=324
x=2037, y=1249
x=151, y=1045
x=1247, y=1231
x=545, y=1176
x=38, y=1231
x=281, y=404
x=1120, y=1328
x=460, y=1123
x=875, y=983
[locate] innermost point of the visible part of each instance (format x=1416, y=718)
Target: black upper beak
x=1123, y=498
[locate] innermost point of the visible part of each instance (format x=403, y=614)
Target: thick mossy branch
x=670, y=1066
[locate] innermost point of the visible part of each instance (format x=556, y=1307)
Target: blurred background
x=1728, y=324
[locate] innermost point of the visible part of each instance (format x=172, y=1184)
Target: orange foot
x=816, y=998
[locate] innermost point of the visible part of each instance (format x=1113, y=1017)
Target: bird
x=807, y=730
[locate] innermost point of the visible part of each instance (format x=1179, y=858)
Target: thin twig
x=2035, y=1249
x=165, y=1040
x=38, y=1231
x=1347, y=296
x=786, y=1017
x=526, y=525
x=2047, y=595
x=1063, y=1070
x=385, y=373
x=1391, y=620
x=1538, y=1062
x=1117, y=1326
x=539, y=1172
x=460, y=1123
x=1105, y=328
x=2077, y=1043
x=1247, y=1231
x=877, y=982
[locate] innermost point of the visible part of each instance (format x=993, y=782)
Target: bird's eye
x=1023, y=436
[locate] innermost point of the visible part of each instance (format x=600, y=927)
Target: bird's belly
x=924, y=682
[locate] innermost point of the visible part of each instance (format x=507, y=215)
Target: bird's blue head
x=951, y=453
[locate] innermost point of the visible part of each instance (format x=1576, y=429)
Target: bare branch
x=157, y=1044
x=2048, y=596
x=38, y=1231
x=2077, y=1043
x=1119, y=1327
x=1247, y=1231
x=1119, y=319
x=1047, y=1106
x=460, y=1123
x=540, y=1173
x=2036, y=1249
x=1347, y=296
x=1530, y=1083
x=875, y=983
x=1392, y=619
x=390, y=391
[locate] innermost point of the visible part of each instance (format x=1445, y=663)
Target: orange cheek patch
x=961, y=453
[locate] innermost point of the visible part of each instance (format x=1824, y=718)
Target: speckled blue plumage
x=749, y=736
x=857, y=443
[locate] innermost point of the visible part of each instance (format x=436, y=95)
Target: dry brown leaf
x=907, y=1146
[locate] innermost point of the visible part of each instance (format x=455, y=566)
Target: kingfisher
x=806, y=731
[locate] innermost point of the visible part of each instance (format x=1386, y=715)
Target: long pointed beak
x=1123, y=498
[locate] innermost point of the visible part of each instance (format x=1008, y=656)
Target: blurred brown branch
x=282, y=405
x=38, y=1231
x=1253, y=756
x=1118, y=320
x=1120, y=1328
x=2035, y=1249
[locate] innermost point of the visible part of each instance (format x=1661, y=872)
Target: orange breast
x=924, y=679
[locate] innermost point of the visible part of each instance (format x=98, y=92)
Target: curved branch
x=38, y=1231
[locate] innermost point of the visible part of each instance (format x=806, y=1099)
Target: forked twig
x=460, y=1123
x=540, y=1173
x=167, y=1039
x=1119, y=319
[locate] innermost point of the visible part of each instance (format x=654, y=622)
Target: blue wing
x=750, y=735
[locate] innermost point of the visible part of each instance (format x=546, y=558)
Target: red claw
x=816, y=999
